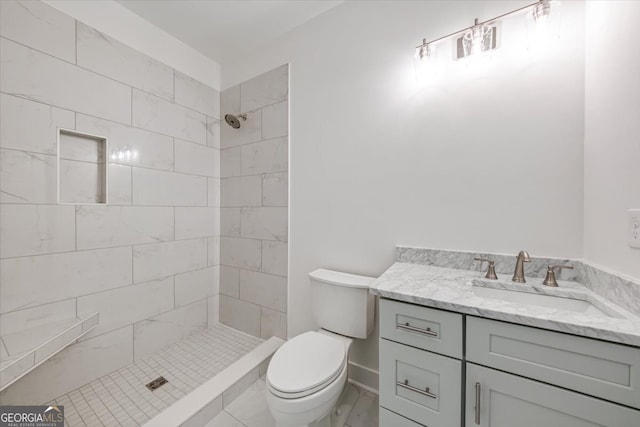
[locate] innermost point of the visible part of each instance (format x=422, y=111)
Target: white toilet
x=308, y=373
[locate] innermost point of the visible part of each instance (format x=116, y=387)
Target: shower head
x=234, y=121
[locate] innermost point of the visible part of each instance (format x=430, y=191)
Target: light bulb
x=477, y=40
x=543, y=25
x=426, y=63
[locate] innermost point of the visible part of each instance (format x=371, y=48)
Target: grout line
x=207, y=186
x=103, y=404
x=75, y=52
x=98, y=163
x=114, y=398
x=113, y=79
x=173, y=160
x=261, y=123
x=131, y=186
x=81, y=395
x=133, y=401
x=134, y=245
x=127, y=164
x=75, y=227
x=72, y=404
x=131, y=126
x=126, y=286
x=155, y=132
x=106, y=248
x=110, y=205
x=131, y=107
x=206, y=307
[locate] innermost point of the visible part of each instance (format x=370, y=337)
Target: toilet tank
x=341, y=302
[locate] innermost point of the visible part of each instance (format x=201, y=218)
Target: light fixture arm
x=476, y=23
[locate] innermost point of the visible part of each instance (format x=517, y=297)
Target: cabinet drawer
x=391, y=419
x=602, y=369
x=422, y=386
x=506, y=400
x=434, y=330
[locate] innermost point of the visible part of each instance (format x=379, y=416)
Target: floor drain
x=157, y=383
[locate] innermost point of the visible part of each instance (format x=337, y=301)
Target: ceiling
x=225, y=30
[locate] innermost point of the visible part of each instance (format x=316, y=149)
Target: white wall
x=612, y=133
x=120, y=23
x=489, y=161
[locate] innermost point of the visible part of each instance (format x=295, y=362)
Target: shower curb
x=205, y=402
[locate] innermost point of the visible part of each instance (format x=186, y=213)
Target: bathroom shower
x=234, y=121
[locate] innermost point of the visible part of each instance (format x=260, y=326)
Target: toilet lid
x=306, y=362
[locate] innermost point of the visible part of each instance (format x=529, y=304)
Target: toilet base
x=345, y=405
x=340, y=412
x=324, y=422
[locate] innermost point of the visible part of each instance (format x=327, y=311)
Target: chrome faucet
x=518, y=273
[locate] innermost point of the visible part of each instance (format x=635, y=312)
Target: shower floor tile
x=121, y=398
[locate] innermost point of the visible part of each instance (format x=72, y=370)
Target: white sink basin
x=548, y=301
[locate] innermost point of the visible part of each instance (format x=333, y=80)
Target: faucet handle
x=491, y=271
x=550, y=280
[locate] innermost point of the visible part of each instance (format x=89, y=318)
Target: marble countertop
x=453, y=289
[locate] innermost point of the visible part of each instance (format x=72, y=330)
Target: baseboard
x=363, y=377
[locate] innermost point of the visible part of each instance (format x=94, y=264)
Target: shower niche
x=82, y=168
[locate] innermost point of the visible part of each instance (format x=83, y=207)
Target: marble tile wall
x=149, y=260
x=254, y=199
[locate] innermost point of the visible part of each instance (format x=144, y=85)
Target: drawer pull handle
x=408, y=327
x=477, y=407
x=425, y=392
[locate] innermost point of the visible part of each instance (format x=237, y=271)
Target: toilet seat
x=305, y=364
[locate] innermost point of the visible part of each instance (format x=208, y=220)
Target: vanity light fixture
x=481, y=37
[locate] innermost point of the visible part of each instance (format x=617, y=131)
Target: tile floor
x=250, y=410
x=121, y=398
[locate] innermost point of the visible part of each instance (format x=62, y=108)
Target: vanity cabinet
x=441, y=369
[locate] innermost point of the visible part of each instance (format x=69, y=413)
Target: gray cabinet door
x=422, y=386
x=507, y=400
x=601, y=369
